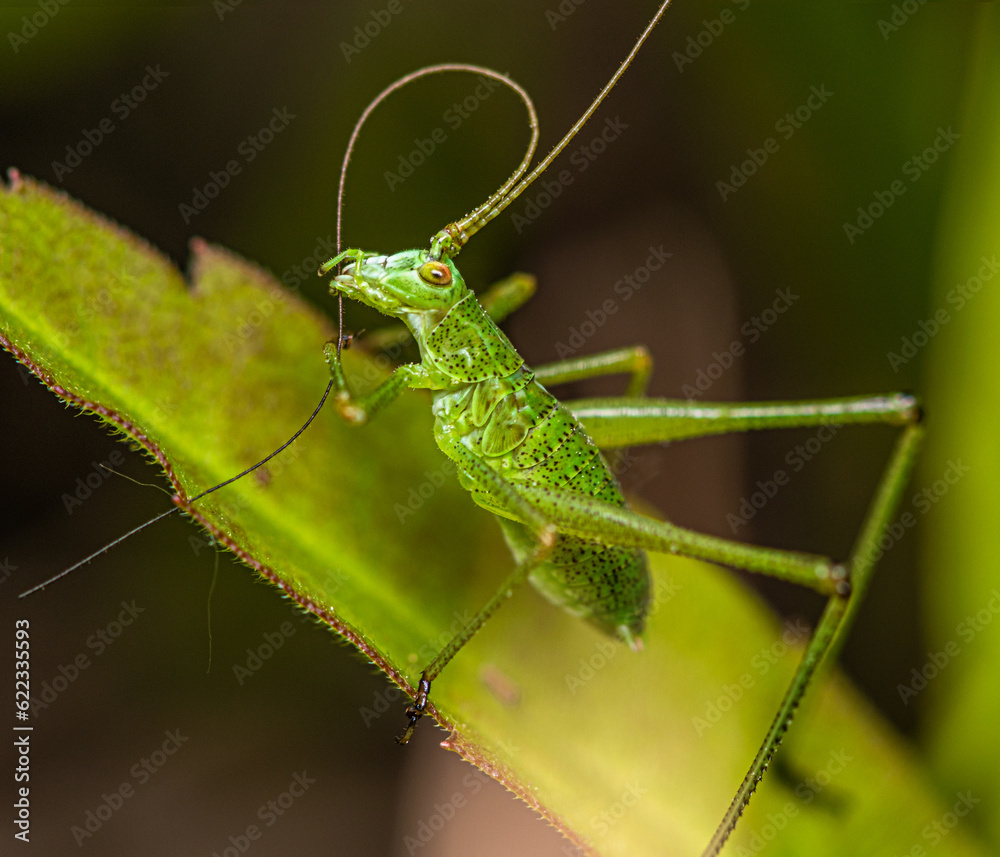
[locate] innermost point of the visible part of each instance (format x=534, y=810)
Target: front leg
x=541, y=538
x=359, y=410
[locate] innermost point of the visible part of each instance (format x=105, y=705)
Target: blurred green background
x=684, y=126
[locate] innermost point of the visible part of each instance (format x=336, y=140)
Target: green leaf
x=961, y=468
x=630, y=754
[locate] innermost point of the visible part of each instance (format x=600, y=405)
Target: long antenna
x=403, y=81
x=189, y=503
x=399, y=84
x=453, y=237
x=448, y=241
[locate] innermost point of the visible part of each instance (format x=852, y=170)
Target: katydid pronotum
x=526, y=458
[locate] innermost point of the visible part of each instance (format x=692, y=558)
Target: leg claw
x=417, y=710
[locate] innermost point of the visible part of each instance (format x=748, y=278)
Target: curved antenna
x=399, y=84
x=190, y=502
x=453, y=237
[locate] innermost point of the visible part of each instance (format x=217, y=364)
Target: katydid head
x=401, y=285
x=407, y=284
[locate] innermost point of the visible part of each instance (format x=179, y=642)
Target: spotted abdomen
x=518, y=428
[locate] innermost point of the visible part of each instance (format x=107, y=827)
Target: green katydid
x=526, y=458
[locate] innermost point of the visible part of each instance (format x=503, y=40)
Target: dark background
x=227, y=70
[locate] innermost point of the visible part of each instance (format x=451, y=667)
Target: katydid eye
x=435, y=273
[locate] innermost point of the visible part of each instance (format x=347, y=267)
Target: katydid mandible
x=525, y=457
